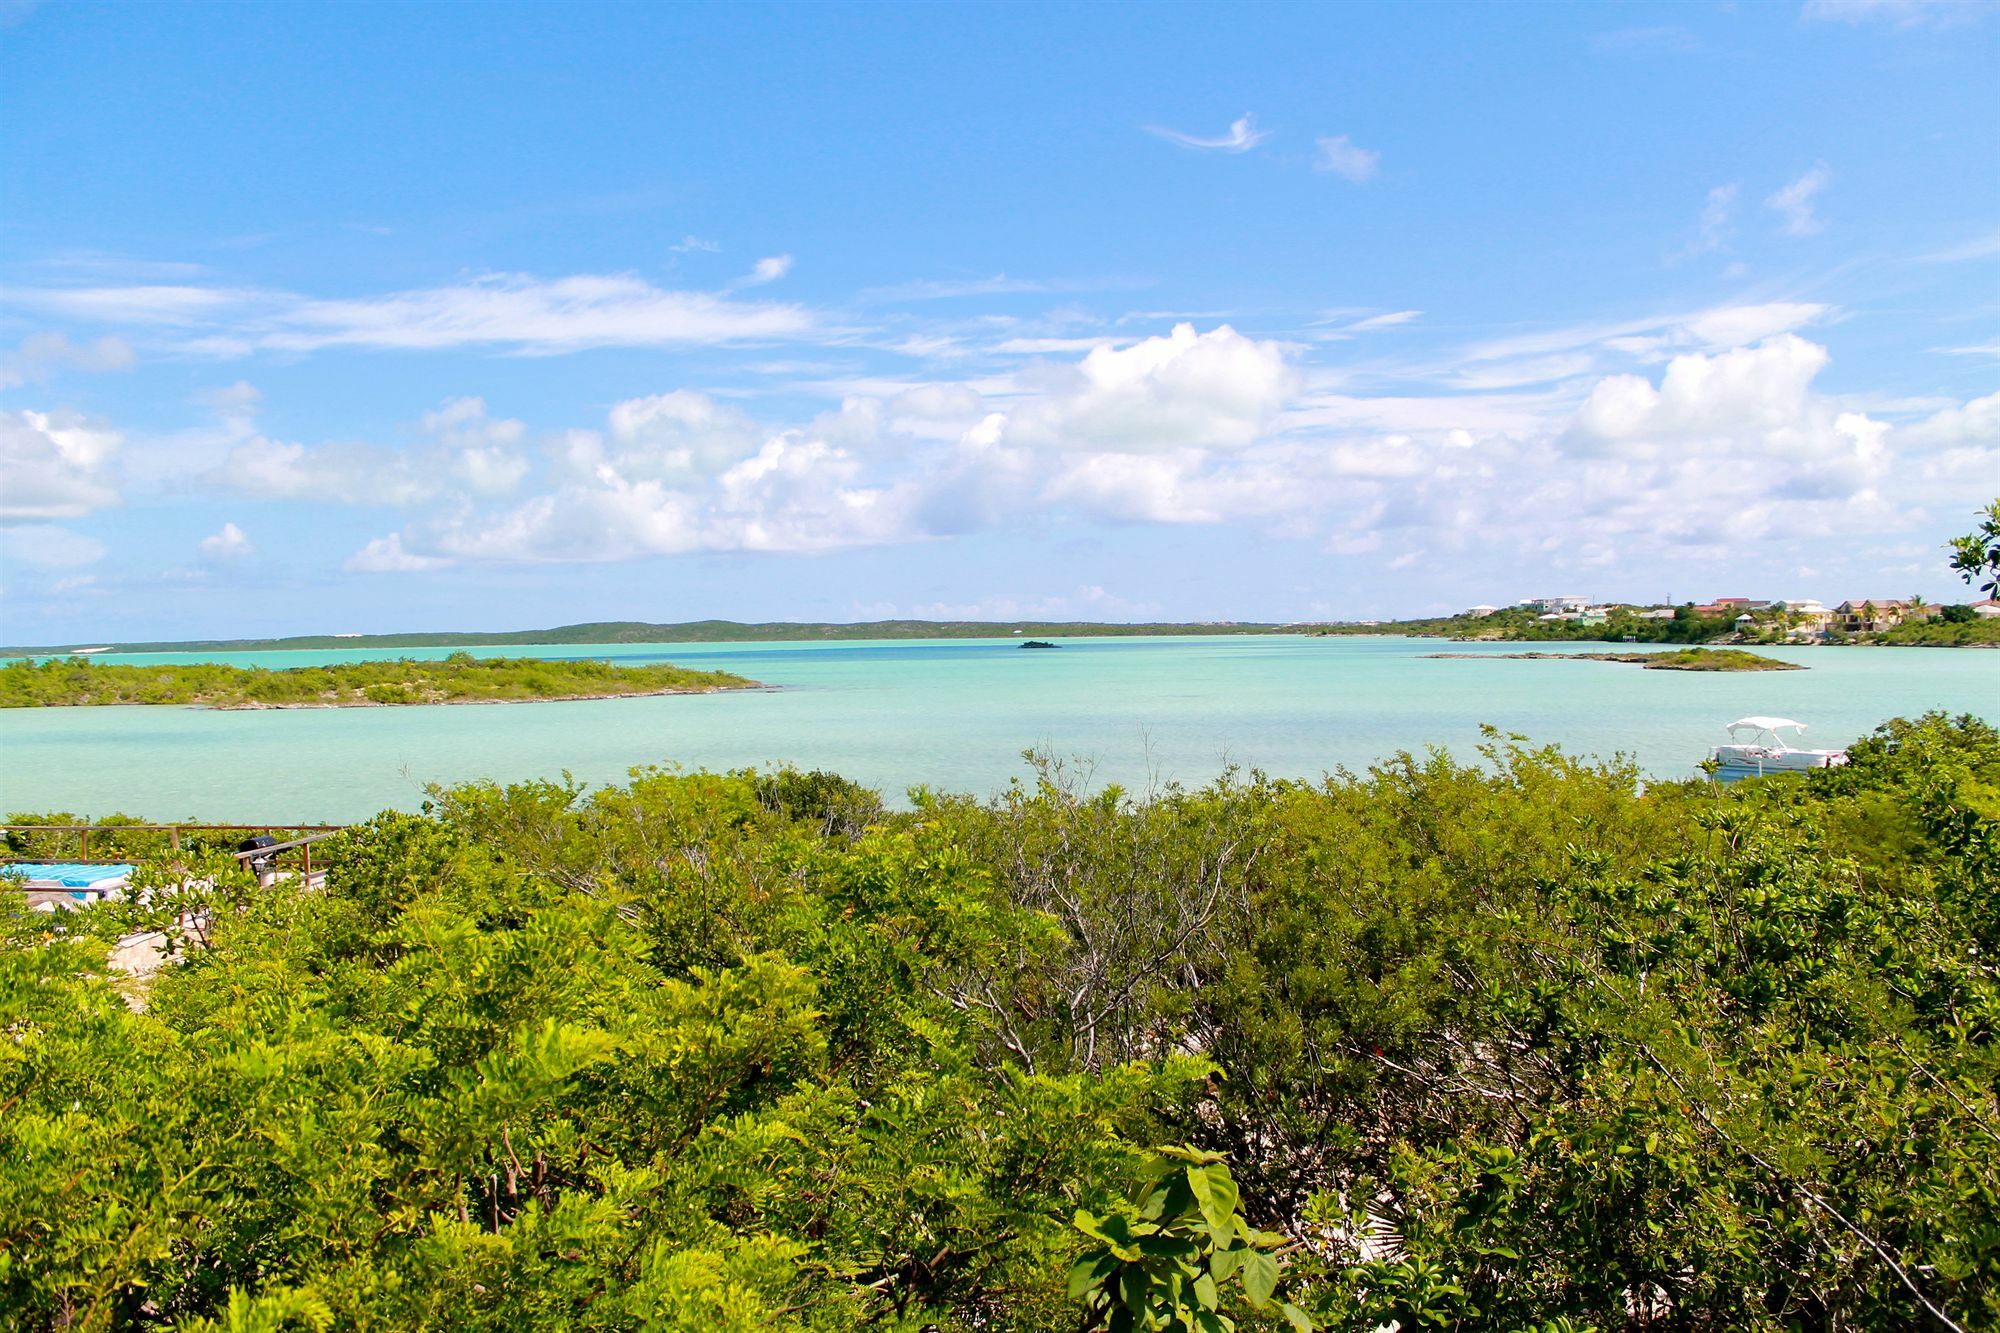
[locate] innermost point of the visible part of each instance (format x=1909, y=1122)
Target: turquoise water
x=953, y=715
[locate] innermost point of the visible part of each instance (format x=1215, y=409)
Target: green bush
x=1517, y=1044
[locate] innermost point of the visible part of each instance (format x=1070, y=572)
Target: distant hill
x=692, y=631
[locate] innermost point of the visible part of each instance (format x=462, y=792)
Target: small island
x=460, y=678
x=1040, y=643
x=1684, y=659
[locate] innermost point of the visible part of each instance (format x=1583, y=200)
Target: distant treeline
x=693, y=631
x=459, y=678
x=1523, y=1044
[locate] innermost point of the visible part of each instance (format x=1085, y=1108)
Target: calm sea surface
x=953, y=715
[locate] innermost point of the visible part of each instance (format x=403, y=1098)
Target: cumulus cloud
x=1187, y=389
x=1343, y=157
x=339, y=473
x=1242, y=137
x=1795, y=203
x=467, y=451
x=484, y=452
x=385, y=555
x=54, y=465
x=228, y=544
x=1976, y=422
x=1741, y=425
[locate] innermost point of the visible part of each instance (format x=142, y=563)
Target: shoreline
x=1711, y=661
x=254, y=706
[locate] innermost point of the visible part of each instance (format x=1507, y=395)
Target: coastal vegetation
x=458, y=678
x=692, y=631
x=1684, y=659
x=1523, y=1043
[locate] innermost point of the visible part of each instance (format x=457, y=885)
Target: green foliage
x=1516, y=1044
x=1976, y=555
x=1174, y=1258
x=458, y=678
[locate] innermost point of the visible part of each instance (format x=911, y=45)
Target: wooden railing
x=295, y=842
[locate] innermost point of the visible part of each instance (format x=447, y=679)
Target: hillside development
x=458, y=679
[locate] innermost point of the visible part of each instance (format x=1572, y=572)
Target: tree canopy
x=1518, y=1043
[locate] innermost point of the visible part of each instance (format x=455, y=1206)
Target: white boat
x=1766, y=751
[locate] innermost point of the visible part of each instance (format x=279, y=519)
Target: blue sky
x=384, y=317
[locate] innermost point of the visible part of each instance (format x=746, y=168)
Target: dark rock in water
x=1040, y=643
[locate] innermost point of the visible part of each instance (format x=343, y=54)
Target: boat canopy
x=1765, y=724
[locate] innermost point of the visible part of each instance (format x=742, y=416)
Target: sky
x=384, y=317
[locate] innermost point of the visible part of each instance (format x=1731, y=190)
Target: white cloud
x=1214, y=388
x=945, y=289
x=693, y=244
x=1733, y=326
x=1242, y=137
x=340, y=473
x=149, y=304
x=483, y=452
x=1900, y=13
x=1340, y=155
x=509, y=311
x=1795, y=202
x=1980, y=247
x=228, y=544
x=679, y=438
x=385, y=555
x=1742, y=424
x=563, y=314
x=1386, y=321
x=45, y=546
x=1713, y=230
x=1975, y=423
x=54, y=465
x=768, y=269
x=41, y=355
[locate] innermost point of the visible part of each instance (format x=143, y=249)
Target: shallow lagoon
x=952, y=714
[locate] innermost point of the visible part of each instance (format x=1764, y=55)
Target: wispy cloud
x=1901, y=13
x=1795, y=203
x=1340, y=155
x=944, y=289
x=1983, y=247
x=768, y=269
x=1713, y=229
x=1664, y=38
x=1242, y=137
x=1388, y=321
x=511, y=311
x=41, y=355
x=691, y=244
x=150, y=303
